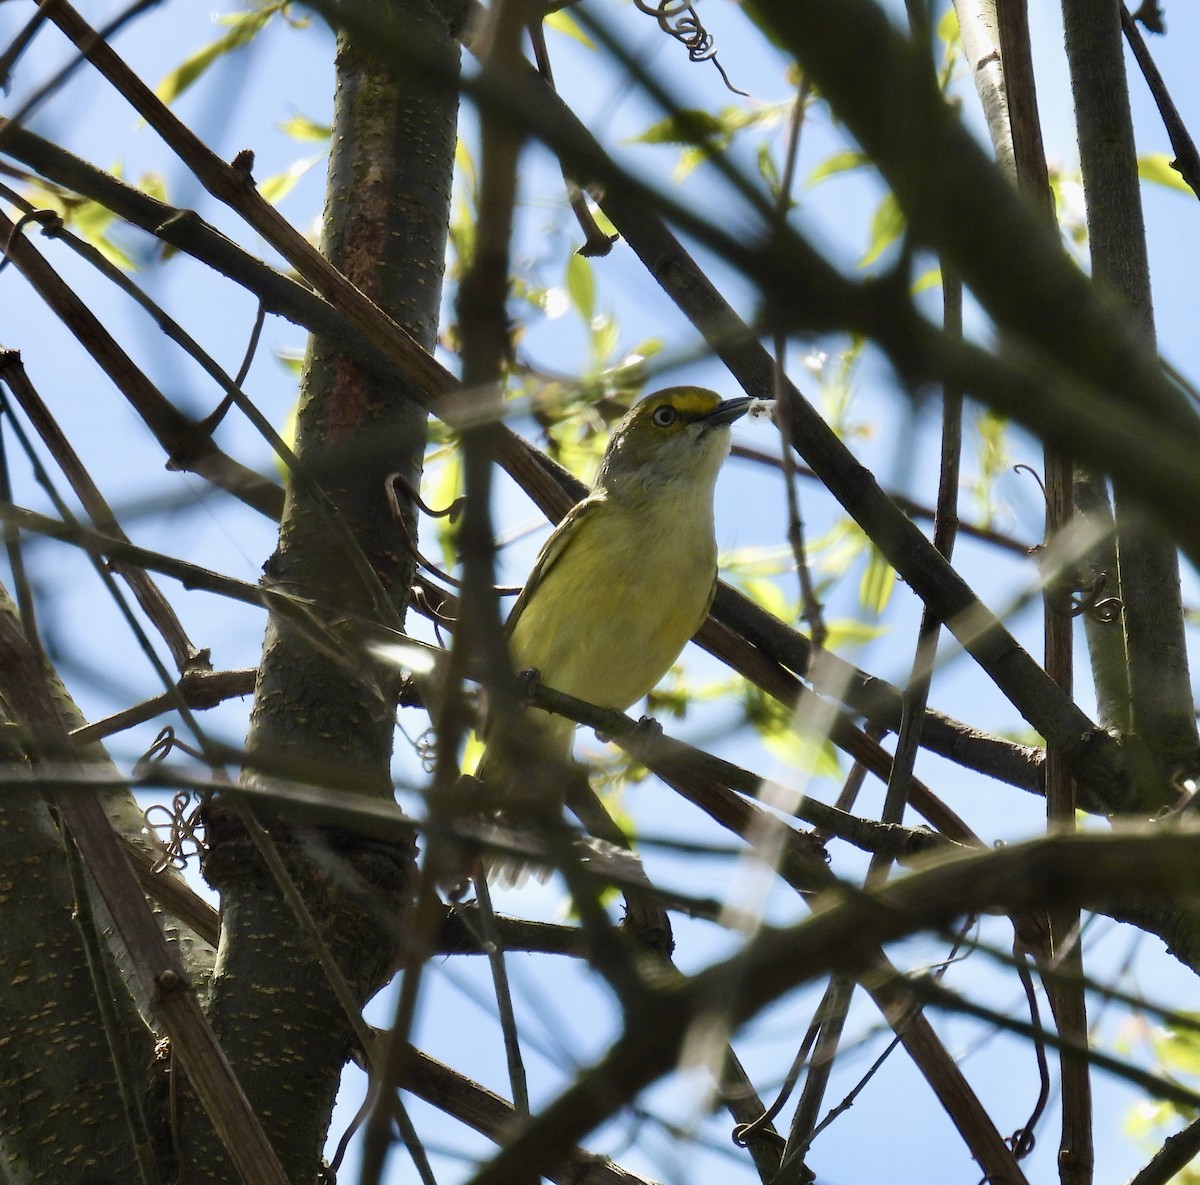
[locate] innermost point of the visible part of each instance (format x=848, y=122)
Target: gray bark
x=321, y=704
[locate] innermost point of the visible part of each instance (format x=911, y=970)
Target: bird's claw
x=530, y=680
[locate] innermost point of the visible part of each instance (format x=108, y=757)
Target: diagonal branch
x=187, y=447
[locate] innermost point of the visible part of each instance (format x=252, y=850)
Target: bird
x=622, y=583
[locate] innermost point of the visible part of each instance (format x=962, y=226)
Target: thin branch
x=53, y=84
x=1076, y=1153
x=1187, y=159
x=830, y=1020
x=156, y=607
x=199, y=689
x=185, y=446
x=945, y=529
x=910, y=506
x=26, y=604
x=489, y=1114
x=504, y=1005
x=811, y=605
x=1177, y=1152
x=672, y=758
x=596, y=243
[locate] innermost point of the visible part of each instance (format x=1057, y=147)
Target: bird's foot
x=648, y=729
x=530, y=680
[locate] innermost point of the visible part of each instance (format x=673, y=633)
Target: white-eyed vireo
x=627, y=577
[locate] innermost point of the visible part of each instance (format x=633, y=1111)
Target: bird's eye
x=665, y=416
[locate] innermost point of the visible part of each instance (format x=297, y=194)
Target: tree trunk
x=322, y=705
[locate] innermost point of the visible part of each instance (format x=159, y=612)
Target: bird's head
x=677, y=436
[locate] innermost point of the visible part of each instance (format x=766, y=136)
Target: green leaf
x=154, y=185
x=441, y=484
x=629, y=374
x=300, y=127
x=293, y=362
x=993, y=444
x=947, y=29
x=799, y=748
x=767, y=170
x=1178, y=1048
x=837, y=547
x=886, y=228
x=605, y=335
x=929, y=279
x=1155, y=167
x=992, y=459
x=814, y=756
x=581, y=287
x=287, y=433
x=701, y=133
x=275, y=189
x=465, y=164
x=689, y=160
x=648, y=347
x=687, y=126
x=767, y=594
x=602, y=220
x=243, y=27
x=1145, y=1117
x=844, y=632
x=472, y=752
x=462, y=238
x=839, y=162
x=878, y=581
x=115, y=255
x=562, y=22
x=91, y=219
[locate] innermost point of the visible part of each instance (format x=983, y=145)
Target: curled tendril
x=424, y=605
x=183, y=824
x=181, y=830
x=1022, y=1142
x=451, y=512
x=1071, y=596
x=48, y=220
x=678, y=19
x=164, y=745
x=426, y=750
x=1068, y=593
x=1088, y=601
x=1023, y=468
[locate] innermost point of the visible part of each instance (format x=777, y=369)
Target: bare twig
x=186, y=448
x=1187, y=159
x=811, y=605
x=157, y=608
x=1076, y=1155
x=596, y=243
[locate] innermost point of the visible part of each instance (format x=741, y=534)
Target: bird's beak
x=727, y=411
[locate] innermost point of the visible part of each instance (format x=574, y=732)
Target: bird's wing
x=552, y=551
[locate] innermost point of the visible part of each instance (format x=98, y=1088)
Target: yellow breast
x=611, y=614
